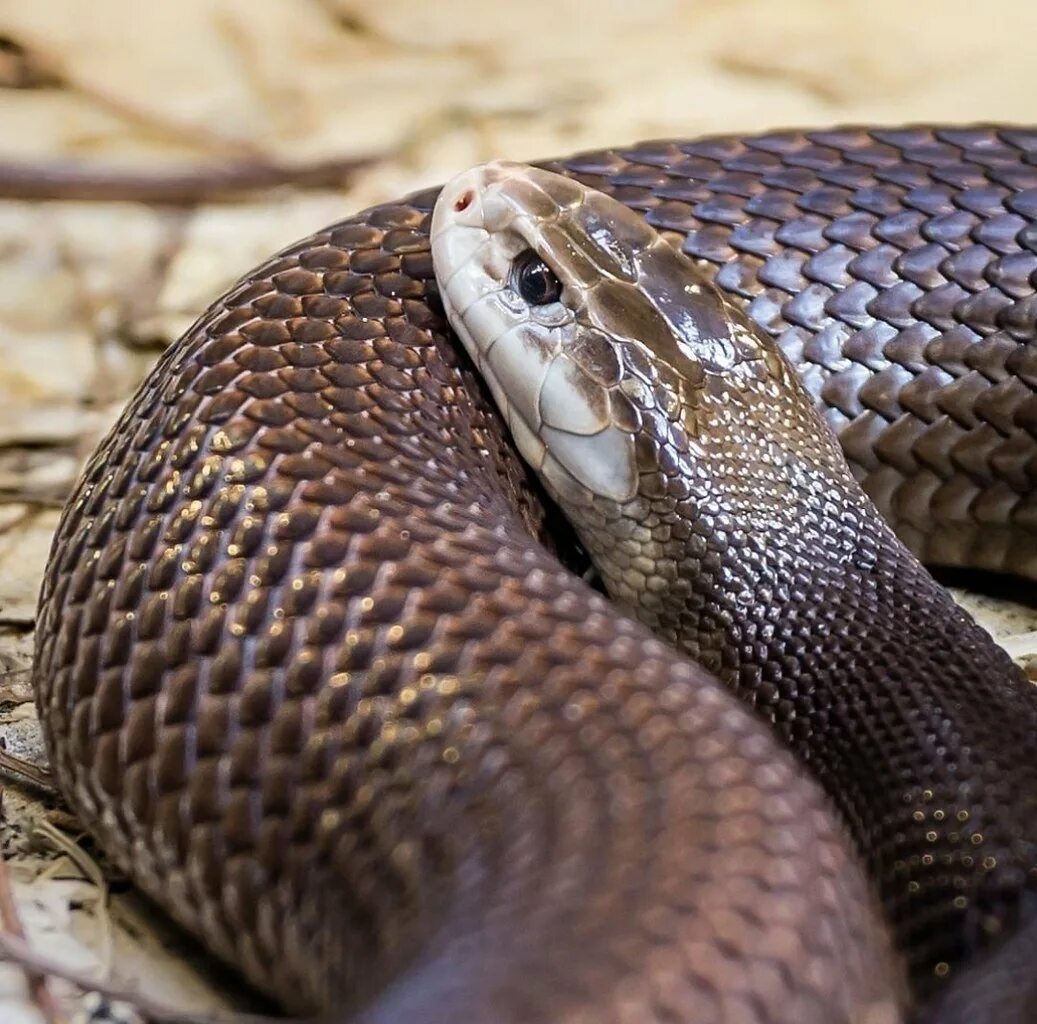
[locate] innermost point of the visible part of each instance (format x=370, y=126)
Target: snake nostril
x=464, y=200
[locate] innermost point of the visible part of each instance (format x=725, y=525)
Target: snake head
x=598, y=340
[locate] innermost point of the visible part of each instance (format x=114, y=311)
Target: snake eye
x=534, y=280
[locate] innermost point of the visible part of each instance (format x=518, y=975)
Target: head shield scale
x=597, y=339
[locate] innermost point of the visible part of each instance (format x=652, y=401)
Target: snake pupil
x=534, y=280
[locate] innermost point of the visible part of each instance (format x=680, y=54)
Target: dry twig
x=12, y=926
x=27, y=770
x=60, y=180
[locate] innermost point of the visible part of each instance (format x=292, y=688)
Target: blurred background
x=133, y=139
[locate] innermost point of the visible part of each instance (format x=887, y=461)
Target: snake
x=322, y=664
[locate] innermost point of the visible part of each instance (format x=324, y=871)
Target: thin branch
x=41, y=995
x=64, y=180
x=93, y=874
x=16, y=765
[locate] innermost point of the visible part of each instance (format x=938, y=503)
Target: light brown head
x=607, y=351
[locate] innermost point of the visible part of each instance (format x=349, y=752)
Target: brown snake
x=306, y=671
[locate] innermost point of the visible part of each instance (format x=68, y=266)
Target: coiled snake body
x=306, y=672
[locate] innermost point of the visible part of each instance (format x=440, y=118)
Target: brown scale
x=307, y=674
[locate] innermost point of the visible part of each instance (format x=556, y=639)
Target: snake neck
x=778, y=575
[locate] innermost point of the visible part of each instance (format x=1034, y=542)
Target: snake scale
x=311, y=669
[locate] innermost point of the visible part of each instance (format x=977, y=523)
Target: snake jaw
x=559, y=414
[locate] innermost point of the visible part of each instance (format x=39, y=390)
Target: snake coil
x=309, y=670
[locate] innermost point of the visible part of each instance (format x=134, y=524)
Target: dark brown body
x=307, y=675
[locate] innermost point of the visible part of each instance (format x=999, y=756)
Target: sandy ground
x=91, y=291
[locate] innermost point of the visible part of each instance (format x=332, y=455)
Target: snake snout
x=593, y=334
x=516, y=304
